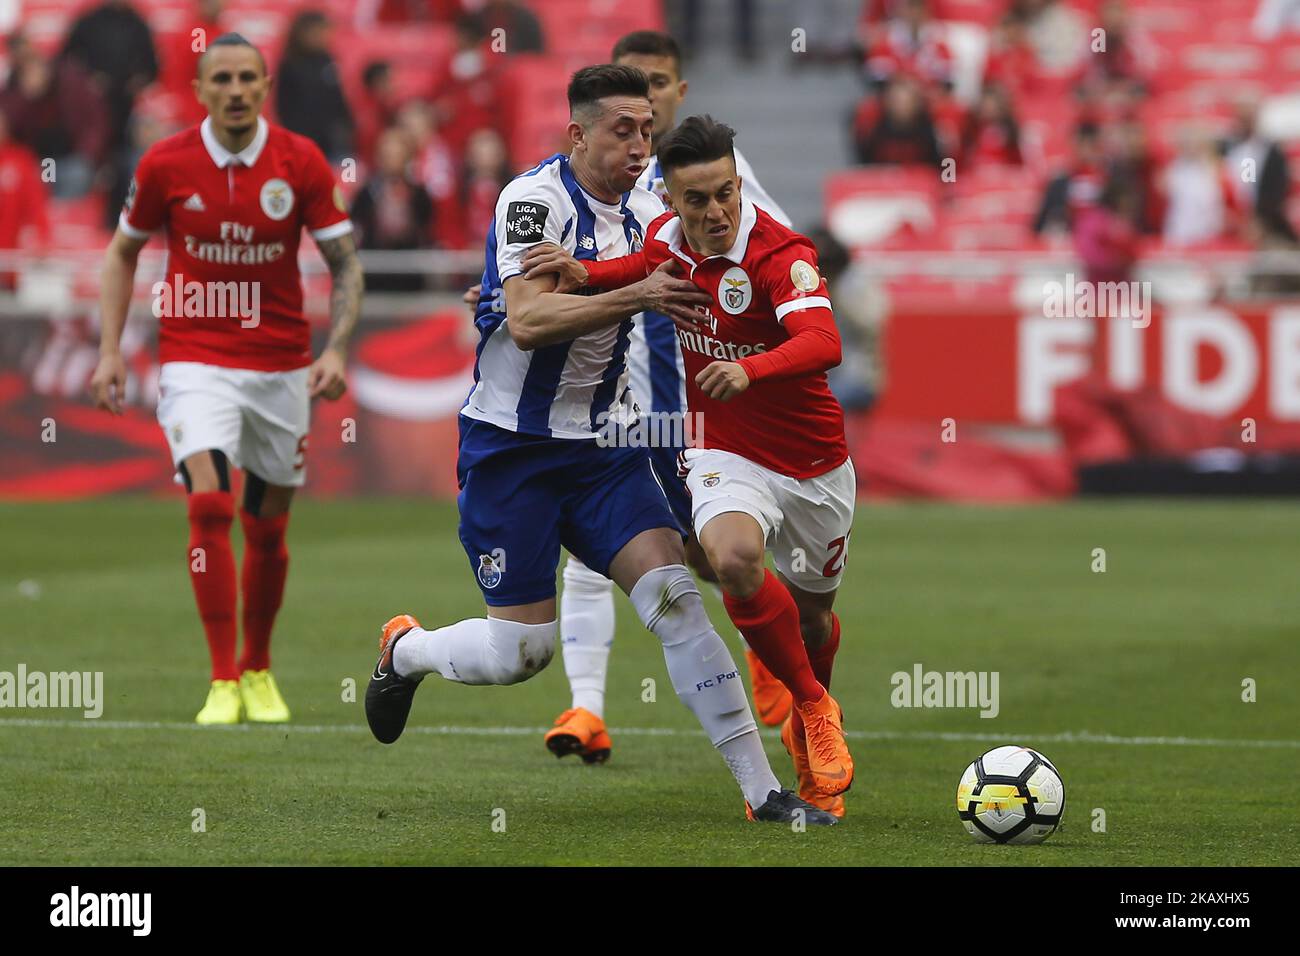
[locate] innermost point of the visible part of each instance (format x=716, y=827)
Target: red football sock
x=822, y=660
x=770, y=623
x=212, y=572
x=266, y=563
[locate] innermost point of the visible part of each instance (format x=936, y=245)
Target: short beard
x=238, y=130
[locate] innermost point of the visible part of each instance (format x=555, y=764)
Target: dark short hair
x=593, y=83
x=374, y=70
x=697, y=139
x=648, y=43
x=229, y=39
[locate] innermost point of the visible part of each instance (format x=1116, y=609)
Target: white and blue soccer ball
x=1011, y=795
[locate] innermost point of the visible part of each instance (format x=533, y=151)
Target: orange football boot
x=830, y=765
x=797, y=747
x=771, y=698
x=579, y=731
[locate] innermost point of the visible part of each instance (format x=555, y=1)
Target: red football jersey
x=231, y=292
x=793, y=426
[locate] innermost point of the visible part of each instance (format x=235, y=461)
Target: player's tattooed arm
x=340, y=254
x=345, y=297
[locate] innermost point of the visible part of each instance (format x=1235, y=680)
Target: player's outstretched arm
x=572, y=274
x=116, y=282
x=539, y=316
x=326, y=376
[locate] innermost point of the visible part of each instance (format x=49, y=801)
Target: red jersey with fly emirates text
x=786, y=420
x=231, y=294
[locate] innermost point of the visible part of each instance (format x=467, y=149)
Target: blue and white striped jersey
x=654, y=359
x=569, y=389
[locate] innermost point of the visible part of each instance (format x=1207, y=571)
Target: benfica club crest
x=735, y=291
x=277, y=199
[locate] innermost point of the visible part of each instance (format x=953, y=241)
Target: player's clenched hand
x=722, y=380
x=547, y=258
x=108, y=384
x=663, y=292
x=470, y=298
x=326, y=376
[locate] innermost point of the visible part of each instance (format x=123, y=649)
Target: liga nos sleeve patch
x=526, y=221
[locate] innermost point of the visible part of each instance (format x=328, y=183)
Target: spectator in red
x=309, y=92
x=1105, y=234
x=911, y=44
x=486, y=172
x=1012, y=62
x=991, y=135
x=392, y=211
x=24, y=223
x=378, y=107
x=468, y=95
x=434, y=168
x=522, y=31
x=54, y=110
x=1075, y=188
x=181, y=57
x=898, y=128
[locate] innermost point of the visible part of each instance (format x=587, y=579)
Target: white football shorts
x=258, y=419
x=806, y=522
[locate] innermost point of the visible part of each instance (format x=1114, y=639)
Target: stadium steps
x=791, y=121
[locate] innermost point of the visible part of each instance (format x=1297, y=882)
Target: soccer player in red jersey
x=233, y=196
x=772, y=471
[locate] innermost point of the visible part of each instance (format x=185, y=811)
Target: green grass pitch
x=1129, y=680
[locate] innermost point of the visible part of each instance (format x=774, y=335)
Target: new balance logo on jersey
x=587, y=242
x=195, y=203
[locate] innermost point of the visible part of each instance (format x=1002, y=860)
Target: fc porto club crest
x=735, y=291
x=634, y=243
x=491, y=568
x=277, y=199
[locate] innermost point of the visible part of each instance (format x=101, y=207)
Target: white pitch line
x=1069, y=736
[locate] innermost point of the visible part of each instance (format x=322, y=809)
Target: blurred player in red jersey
x=233, y=196
x=772, y=470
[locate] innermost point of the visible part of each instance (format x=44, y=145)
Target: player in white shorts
x=233, y=196
x=772, y=470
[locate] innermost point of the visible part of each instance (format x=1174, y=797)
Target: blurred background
x=964, y=166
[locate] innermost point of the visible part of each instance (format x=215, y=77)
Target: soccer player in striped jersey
x=536, y=470
x=659, y=386
x=772, y=471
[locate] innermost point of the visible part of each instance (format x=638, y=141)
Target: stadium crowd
x=431, y=146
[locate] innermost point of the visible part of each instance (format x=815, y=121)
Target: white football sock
x=704, y=674
x=586, y=633
x=477, y=651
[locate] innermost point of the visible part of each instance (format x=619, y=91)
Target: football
x=1011, y=795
